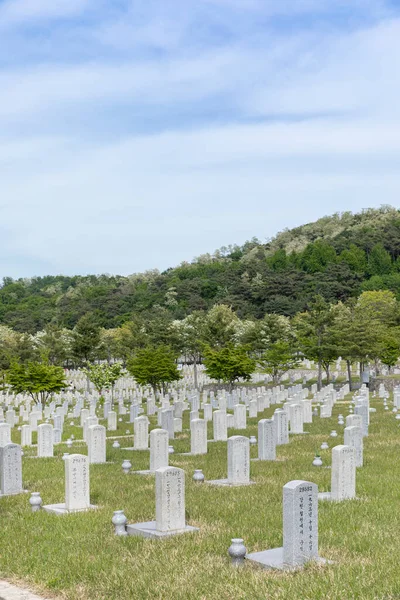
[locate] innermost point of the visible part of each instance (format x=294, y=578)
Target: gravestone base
x=327, y=496
x=273, y=559
x=148, y=530
x=136, y=450
x=60, y=509
x=216, y=441
x=190, y=453
x=263, y=459
x=148, y=472
x=302, y=433
x=226, y=483
x=14, y=494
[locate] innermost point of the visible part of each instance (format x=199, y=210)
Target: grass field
x=78, y=557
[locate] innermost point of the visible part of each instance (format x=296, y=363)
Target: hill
x=338, y=256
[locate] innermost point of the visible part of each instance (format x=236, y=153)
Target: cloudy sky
x=135, y=134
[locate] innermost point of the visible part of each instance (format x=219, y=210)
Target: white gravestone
x=220, y=429
x=353, y=437
x=170, y=506
x=198, y=437
x=141, y=431
x=96, y=441
x=45, y=439
x=343, y=475
x=5, y=434
x=266, y=440
x=10, y=470
x=300, y=529
x=238, y=463
x=112, y=421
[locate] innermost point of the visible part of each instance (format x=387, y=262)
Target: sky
x=137, y=134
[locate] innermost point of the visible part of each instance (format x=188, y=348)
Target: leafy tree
x=39, y=380
x=355, y=257
x=278, y=359
x=229, y=364
x=220, y=326
x=190, y=332
x=154, y=366
x=104, y=375
x=315, y=336
x=55, y=344
x=379, y=261
x=390, y=351
x=86, y=339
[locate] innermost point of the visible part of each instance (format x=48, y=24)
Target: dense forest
x=337, y=257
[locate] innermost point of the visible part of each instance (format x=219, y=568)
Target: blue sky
x=136, y=134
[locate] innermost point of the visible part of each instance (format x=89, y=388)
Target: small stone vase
x=119, y=521
x=35, y=501
x=237, y=552
x=198, y=476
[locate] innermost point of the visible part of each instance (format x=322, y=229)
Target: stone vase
x=119, y=521
x=237, y=552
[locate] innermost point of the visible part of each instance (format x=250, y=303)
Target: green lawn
x=78, y=557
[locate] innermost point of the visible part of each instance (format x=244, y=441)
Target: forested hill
x=338, y=257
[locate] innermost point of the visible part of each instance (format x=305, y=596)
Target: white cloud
x=13, y=12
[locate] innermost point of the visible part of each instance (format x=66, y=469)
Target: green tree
x=379, y=261
x=220, y=326
x=154, y=366
x=229, y=364
x=390, y=350
x=278, y=359
x=39, y=380
x=104, y=375
x=86, y=339
x=315, y=336
x=190, y=332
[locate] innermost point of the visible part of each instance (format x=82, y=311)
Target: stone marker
x=111, y=420
x=77, y=492
x=239, y=415
x=96, y=441
x=10, y=470
x=198, y=436
x=45, y=438
x=170, y=506
x=220, y=429
x=26, y=436
x=141, y=433
x=281, y=427
x=5, y=434
x=167, y=421
x=266, y=440
x=300, y=529
x=353, y=436
x=296, y=418
x=343, y=475
x=238, y=463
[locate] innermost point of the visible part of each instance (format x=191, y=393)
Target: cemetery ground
x=78, y=557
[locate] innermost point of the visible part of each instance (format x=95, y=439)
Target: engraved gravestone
x=238, y=460
x=198, y=436
x=281, y=427
x=141, y=431
x=5, y=434
x=77, y=493
x=353, y=437
x=96, y=441
x=300, y=529
x=45, y=440
x=158, y=449
x=10, y=470
x=266, y=440
x=220, y=428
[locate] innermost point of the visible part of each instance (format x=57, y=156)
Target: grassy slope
x=77, y=557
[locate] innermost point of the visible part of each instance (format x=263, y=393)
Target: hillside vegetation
x=336, y=257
